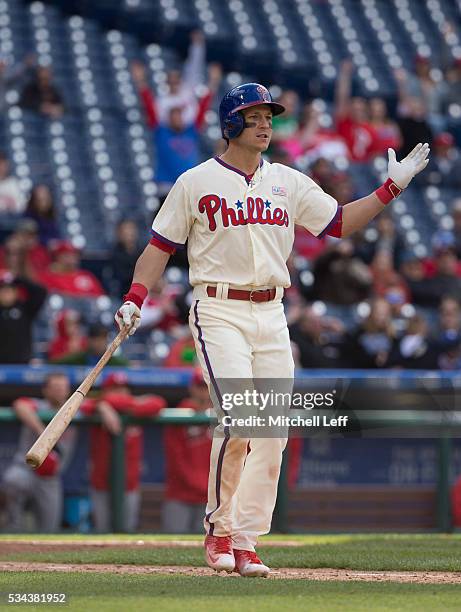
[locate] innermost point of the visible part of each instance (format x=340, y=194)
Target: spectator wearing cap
x=64, y=275
x=12, y=198
x=41, y=208
x=97, y=342
x=114, y=401
x=43, y=486
x=187, y=455
x=444, y=168
x=69, y=337
x=20, y=303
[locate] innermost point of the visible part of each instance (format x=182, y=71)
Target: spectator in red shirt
x=388, y=283
x=182, y=353
x=64, y=275
x=69, y=338
x=352, y=120
x=115, y=400
x=159, y=310
x=313, y=140
x=187, y=452
x=97, y=342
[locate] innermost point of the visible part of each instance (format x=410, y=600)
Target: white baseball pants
x=241, y=340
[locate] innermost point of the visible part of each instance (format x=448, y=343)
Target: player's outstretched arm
x=359, y=213
x=148, y=270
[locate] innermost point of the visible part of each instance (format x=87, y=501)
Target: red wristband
x=136, y=294
x=388, y=192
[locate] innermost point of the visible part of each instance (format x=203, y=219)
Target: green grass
x=360, y=552
x=108, y=593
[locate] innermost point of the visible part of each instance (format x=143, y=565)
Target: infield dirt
x=11, y=547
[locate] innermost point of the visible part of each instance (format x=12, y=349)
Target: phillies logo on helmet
x=264, y=93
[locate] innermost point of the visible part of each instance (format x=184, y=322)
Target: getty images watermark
x=393, y=405
x=254, y=408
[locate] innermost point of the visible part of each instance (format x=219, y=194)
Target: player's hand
x=128, y=315
x=402, y=172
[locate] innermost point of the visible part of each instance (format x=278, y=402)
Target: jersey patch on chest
x=278, y=190
x=254, y=211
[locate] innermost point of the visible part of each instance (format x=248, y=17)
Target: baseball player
x=41, y=487
x=115, y=399
x=238, y=213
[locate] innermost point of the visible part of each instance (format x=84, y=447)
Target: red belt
x=261, y=295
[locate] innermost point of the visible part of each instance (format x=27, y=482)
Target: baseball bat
x=61, y=420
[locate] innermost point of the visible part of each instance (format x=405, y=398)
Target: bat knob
x=33, y=461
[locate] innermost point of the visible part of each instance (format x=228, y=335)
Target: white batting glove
x=402, y=172
x=128, y=315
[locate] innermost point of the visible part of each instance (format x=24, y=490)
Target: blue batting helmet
x=243, y=96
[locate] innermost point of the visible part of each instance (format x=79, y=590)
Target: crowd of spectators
x=360, y=302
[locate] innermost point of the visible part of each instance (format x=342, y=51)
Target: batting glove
x=402, y=172
x=128, y=315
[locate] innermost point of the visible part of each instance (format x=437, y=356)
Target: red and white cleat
x=219, y=554
x=247, y=563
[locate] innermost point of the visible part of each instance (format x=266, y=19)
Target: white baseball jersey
x=240, y=230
